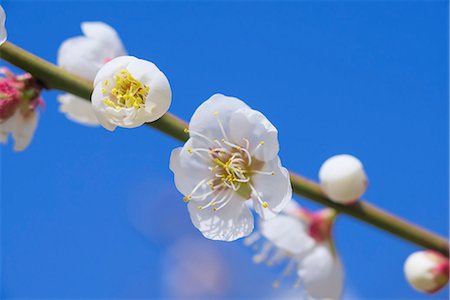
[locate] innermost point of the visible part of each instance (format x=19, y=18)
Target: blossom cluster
x=228, y=168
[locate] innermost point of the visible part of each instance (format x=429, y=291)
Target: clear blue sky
x=91, y=214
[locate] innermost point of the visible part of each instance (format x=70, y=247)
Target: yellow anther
x=103, y=90
x=186, y=130
x=214, y=209
x=216, y=113
x=223, y=140
x=262, y=142
x=265, y=204
x=200, y=207
x=187, y=198
x=272, y=173
x=189, y=150
x=105, y=83
x=128, y=92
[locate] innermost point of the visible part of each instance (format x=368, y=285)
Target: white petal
x=160, y=95
x=112, y=67
x=254, y=126
x=82, y=56
x=99, y=109
x=288, y=234
x=106, y=34
x=188, y=170
x=227, y=224
x=77, y=110
x=342, y=178
x=322, y=273
x=7, y=127
x=204, y=120
x=24, y=130
x=3, y=33
x=85, y=55
x=275, y=189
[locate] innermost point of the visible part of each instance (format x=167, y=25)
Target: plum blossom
x=19, y=99
x=342, y=178
x=427, y=271
x=84, y=56
x=129, y=92
x=304, y=240
x=3, y=33
x=231, y=157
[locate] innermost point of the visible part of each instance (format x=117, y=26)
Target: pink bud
x=9, y=99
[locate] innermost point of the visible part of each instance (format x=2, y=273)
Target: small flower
x=343, y=179
x=84, y=56
x=129, y=92
x=303, y=239
x=3, y=33
x=230, y=157
x=19, y=98
x=427, y=271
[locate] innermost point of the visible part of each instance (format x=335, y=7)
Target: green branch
x=54, y=77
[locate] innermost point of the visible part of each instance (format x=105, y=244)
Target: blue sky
x=91, y=214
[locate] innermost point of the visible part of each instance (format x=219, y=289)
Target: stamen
x=225, y=201
x=252, y=238
x=188, y=197
x=261, y=256
x=276, y=258
x=263, y=203
x=264, y=173
x=216, y=114
x=127, y=93
x=212, y=203
x=259, y=145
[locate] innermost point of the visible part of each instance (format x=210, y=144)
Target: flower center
x=127, y=93
x=231, y=170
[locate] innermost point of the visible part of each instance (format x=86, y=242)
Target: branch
x=54, y=77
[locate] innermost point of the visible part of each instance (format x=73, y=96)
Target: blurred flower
x=84, y=56
x=195, y=268
x=129, y=92
x=427, y=271
x=343, y=179
x=304, y=240
x=19, y=98
x=3, y=33
x=230, y=157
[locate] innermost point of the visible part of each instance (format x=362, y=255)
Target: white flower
x=84, y=56
x=304, y=240
x=343, y=179
x=129, y=92
x=427, y=271
x=3, y=33
x=230, y=157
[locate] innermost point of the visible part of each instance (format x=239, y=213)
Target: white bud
x=342, y=178
x=427, y=271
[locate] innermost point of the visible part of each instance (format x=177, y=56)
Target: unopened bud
x=427, y=271
x=343, y=179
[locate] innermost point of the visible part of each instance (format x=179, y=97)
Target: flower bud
x=129, y=92
x=343, y=179
x=427, y=271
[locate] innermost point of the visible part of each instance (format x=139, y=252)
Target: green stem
x=54, y=77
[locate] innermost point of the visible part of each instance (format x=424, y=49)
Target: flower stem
x=53, y=77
